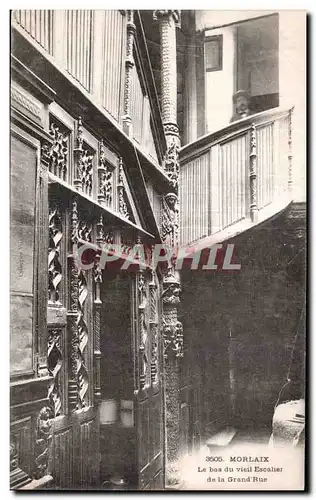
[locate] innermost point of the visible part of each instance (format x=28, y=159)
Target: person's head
x=242, y=101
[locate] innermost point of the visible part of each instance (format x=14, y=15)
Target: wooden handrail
x=232, y=130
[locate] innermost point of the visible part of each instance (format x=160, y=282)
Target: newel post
x=172, y=328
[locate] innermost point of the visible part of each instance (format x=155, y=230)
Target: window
x=214, y=53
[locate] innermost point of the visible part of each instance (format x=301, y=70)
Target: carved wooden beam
x=73, y=311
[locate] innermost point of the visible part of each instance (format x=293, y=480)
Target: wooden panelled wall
x=54, y=335
x=71, y=177
x=91, y=46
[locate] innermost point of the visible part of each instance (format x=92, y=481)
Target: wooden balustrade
x=234, y=174
x=39, y=24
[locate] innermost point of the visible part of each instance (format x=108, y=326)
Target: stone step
x=222, y=438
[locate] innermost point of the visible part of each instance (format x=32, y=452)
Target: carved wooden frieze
x=172, y=333
x=85, y=230
x=26, y=103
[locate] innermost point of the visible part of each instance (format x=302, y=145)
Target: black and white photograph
x=158, y=250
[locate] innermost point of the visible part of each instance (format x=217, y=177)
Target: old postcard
x=158, y=250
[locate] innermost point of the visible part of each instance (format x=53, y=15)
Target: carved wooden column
x=97, y=314
x=172, y=328
x=173, y=350
x=73, y=312
x=253, y=174
x=290, y=157
x=129, y=65
x=168, y=21
x=42, y=278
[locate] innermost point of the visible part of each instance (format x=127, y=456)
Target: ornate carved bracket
x=84, y=163
x=170, y=220
x=171, y=163
x=173, y=340
x=58, y=154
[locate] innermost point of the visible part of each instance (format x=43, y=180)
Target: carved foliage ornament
x=171, y=293
x=59, y=151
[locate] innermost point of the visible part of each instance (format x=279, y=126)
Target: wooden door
x=148, y=382
x=70, y=319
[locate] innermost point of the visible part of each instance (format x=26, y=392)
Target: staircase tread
x=222, y=438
